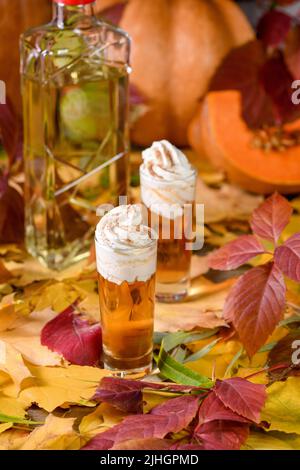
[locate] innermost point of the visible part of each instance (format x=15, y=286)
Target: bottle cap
x=74, y=2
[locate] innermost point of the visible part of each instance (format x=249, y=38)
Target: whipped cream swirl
x=167, y=179
x=125, y=246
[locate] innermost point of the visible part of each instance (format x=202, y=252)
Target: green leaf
x=202, y=352
x=294, y=319
x=179, y=354
x=173, y=370
x=16, y=420
x=267, y=347
x=233, y=361
x=175, y=339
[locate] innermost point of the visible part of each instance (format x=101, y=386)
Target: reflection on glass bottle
x=75, y=103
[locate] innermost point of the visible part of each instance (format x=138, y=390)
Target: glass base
x=130, y=373
x=128, y=367
x=172, y=292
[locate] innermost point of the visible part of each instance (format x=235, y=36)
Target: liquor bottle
x=74, y=73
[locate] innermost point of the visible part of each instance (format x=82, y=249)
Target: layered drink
x=168, y=187
x=126, y=251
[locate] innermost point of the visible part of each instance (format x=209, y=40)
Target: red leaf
x=77, y=340
x=179, y=412
x=292, y=52
x=271, y=217
x=241, y=396
x=277, y=82
x=11, y=213
x=11, y=132
x=184, y=408
x=273, y=28
x=287, y=257
x=114, y=13
x=240, y=71
x=213, y=409
x=236, y=253
x=223, y=435
x=135, y=96
x=127, y=394
x=263, y=81
x=255, y=305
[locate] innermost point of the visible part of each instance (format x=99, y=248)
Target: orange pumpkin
x=176, y=47
x=15, y=17
x=219, y=133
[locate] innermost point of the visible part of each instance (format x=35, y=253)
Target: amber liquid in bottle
x=75, y=104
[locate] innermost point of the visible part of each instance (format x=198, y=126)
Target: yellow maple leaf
x=11, y=362
x=256, y=374
x=218, y=359
x=5, y=426
x=24, y=335
x=51, y=387
x=7, y=313
x=202, y=313
x=11, y=438
x=102, y=418
x=282, y=408
x=55, y=434
x=10, y=402
x=272, y=441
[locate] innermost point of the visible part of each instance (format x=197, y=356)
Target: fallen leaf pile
x=217, y=383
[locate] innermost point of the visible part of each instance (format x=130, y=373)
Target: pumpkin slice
x=219, y=132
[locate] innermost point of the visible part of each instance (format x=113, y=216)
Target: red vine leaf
x=287, y=257
x=114, y=13
x=240, y=71
x=255, y=305
x=74, y=338
x=11, y=133
x=271, y=217
x=242, y=397
x=292, y=52
x=213, y=409
x=127, y=396
x=273, y=28
x=184, y=408
x=263, y=81
x=277, y=82
x=223, y=435
x=170, y=417
x=236, y=253
x=11, y=212
x=136, y=98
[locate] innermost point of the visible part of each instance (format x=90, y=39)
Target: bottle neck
x=73, y=16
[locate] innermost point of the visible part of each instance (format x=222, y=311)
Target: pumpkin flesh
x=228, y=143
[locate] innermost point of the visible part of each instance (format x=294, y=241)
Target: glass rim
x=169, y=182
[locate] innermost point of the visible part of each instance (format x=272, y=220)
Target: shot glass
x=126, y=279
x=171, y=213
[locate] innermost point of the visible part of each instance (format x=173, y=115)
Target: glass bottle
x=75, y=105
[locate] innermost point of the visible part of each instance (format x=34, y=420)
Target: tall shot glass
x=126, y=280
x=173, y=218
